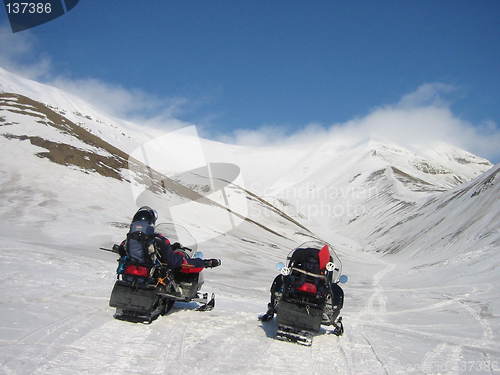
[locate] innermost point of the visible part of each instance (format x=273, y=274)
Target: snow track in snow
x=388, y=327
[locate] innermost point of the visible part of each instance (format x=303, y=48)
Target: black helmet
x=147, y=214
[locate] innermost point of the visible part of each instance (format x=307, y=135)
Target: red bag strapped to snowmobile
x=308, y=288
x=136, y=270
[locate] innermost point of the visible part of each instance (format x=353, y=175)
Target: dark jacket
x=168, y=255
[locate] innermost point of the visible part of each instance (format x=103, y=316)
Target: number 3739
x=28, y=8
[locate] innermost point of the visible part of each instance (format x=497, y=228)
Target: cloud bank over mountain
x=419, y=119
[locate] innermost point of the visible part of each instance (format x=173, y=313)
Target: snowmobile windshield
x=177, y=233
x=318, y=246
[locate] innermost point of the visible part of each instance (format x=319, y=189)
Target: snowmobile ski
x=208, y=305
x=266, y=317
x=298, y=336
x=339, y=328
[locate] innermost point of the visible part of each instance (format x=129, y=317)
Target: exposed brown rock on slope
x=111, y=165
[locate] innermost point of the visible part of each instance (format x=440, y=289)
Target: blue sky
x=229, y=65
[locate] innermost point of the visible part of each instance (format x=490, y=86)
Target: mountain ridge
x=356, y=188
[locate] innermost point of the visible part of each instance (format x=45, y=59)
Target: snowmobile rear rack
x=291, y=334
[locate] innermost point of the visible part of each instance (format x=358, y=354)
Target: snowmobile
x=142, y=293
x=309, y=295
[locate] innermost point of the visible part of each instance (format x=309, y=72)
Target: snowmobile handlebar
x=211, y=263
x=112, y=250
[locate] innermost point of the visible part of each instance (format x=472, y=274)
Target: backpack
x=139, y=238
x=307, y=260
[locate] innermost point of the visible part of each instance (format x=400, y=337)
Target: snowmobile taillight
x=132, y=269
x=308, y=288
x=191, y=269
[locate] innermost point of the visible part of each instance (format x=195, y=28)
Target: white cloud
x=428, y=94
x=21, y=57
x=421, y=127
x=420, y=119
x=121, y=101
x=16, y=54
x=273, y=135
x=262, y=136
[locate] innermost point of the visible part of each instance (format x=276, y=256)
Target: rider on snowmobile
x=145, y=220
x=309, y=260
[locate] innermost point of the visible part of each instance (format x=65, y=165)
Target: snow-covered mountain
x=74, y=159
x=417, y=231
x=357, y=188
x=461, y=220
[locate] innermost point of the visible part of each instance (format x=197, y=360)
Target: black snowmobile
x=142, y=292
x=306, y=295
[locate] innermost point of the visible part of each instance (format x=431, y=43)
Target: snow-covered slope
x=418, y=239
x=119, y=132
x=36, y=138
x=460, y=221
x=356, y=187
